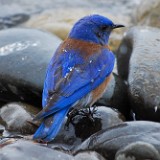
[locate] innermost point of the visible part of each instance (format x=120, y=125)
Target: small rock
x=24, y=56
x=13, y=20
x=107, y=142
x=138, y=151
x=29, y=150
x=17, y=117
x=82, y=127
x=138, y=63
x=88, y=156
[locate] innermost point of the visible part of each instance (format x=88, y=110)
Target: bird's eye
x=104, y=28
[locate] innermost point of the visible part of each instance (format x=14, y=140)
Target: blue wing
x=70, y=77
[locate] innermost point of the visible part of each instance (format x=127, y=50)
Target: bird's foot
x=89, y=112
x=70, y=116
x=93, y=110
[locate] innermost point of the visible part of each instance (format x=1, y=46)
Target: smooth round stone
x=138, y=63
x=107, y=142
x=24, y=56
x=21, y=149
x=82, y=127
x=12, y=20
x=17, y=117
x=29, y=150
x=116, y=96
x=138, y=151
x=88, y=155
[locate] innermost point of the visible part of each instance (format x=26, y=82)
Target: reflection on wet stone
x=17, y=46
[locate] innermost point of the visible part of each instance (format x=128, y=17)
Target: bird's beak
x=117, y=26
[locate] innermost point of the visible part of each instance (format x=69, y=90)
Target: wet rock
x=24, y=56
x=17, y=117
x=148, y=13
x=13, y=20
x=88, y=156
x=6, y=141
x=82, y=127
x=116, y=96
x=138, y=151
x=107, y=142
x=21, y=149
x=29, y=150
x=138, y=62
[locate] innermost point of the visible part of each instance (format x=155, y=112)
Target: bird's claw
x=70, y=116
x=89, y=112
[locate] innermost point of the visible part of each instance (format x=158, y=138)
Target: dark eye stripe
x=103, y=28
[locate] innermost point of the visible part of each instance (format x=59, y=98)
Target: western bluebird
x=78, y=73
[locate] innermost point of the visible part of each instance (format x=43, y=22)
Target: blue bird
x=78, y=73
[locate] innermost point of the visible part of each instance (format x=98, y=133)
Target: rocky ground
x=126, y=124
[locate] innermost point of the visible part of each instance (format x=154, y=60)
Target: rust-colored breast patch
x=85, y=48
x=98, y=92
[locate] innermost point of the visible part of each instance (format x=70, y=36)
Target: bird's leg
x=77, y=111
x=91, y=112
x=94, y=110
x=70, y=116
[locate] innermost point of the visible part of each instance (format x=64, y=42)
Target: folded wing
x=71, y=76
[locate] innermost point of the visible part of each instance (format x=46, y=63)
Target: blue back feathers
x=72, y=76
x=80, y=64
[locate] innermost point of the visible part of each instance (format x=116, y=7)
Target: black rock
x=13, y=20
x=138, y=62
x=107, y=142
x=17, y=117
x=24, y=56
x=81, y=127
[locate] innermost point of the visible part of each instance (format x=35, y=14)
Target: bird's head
x=93, y=28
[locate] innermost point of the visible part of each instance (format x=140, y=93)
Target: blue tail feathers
x=51, y=125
